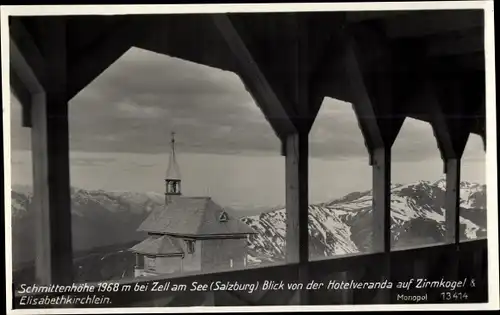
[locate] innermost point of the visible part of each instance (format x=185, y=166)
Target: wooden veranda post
x=42, y=70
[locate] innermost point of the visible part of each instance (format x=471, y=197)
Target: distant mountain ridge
x=339, y=226
x=343, y=225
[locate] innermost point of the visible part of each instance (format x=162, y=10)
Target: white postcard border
x=491, y=154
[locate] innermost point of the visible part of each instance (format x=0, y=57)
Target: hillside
x=98, y=219
x=342, y=226
x=109, y=220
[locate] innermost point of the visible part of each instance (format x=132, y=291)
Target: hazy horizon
x=114, y=171
x=120, y=128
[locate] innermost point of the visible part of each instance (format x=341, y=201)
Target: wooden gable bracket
x=451, y=135
x=280, y=86
x=323, y=64
x=19, y=83
x=444, y=95
x=276, y=112
x=27, y=75
x=105, y=50
x=434, y=22
x=360, y=73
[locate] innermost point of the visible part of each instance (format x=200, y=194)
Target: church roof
x=193, y=216
x=158, y=245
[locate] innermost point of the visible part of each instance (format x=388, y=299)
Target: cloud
x=135, y=104
x=138, y=101
x=93, y=161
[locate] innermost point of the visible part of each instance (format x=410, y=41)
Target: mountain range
x=342, y=226
x=104, y=225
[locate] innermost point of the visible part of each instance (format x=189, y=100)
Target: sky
x=120, y=129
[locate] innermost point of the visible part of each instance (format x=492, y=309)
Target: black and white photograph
x=250, y=156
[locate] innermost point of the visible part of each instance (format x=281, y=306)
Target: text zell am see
x=266, y=285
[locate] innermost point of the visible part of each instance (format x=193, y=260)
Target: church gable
x=218, y=221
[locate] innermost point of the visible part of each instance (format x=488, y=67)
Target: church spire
x=173, y=175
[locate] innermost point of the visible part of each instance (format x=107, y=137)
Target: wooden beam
x=379, y=123
x=23, y=80
x=474, y=98
x=254, y=79
x=23, y=46
x=23, y=70
x=200, y=41
x=451, y=137
x=300, y=65
x=360, y=16
x=456, y=43
x=320, y=271
x=101, y=54
x=425, y=106
x=381, y=214
x=19, y=89
x=426, y=99
x=349, y=85
x=297, y=157
x=320, y=73
x=291, y=120
x=431, y=22
x=475, y=61
x=369, y=68
x=452, y=201
x=307, y=105
x=359, y=72
x=53, y=263
x=297, y=204
x=381, y=159
x=50, y=149
x=480, y=122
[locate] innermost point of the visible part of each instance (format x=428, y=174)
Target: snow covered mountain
x=342, y=226
x=103, y=219
x=99, y=219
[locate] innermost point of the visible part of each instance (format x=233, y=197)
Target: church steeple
x=173, y=175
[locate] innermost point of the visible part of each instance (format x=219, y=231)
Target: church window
x=223, y=217
x=190, y=246
x=149, y=263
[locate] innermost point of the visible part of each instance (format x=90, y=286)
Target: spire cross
x=172, y=144
x=172, y=180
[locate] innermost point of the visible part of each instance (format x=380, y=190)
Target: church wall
x=149, y=263
x=192, y=262
x=223, y=254
x=168, y=264
x=162, y=264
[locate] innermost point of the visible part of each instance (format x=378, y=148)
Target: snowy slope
x=343, y=226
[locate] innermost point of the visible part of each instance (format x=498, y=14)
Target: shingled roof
x=193, y=217
x=159, y=245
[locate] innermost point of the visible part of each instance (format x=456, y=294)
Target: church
x=189, y=234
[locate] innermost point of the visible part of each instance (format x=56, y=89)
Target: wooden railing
x=447, y=262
